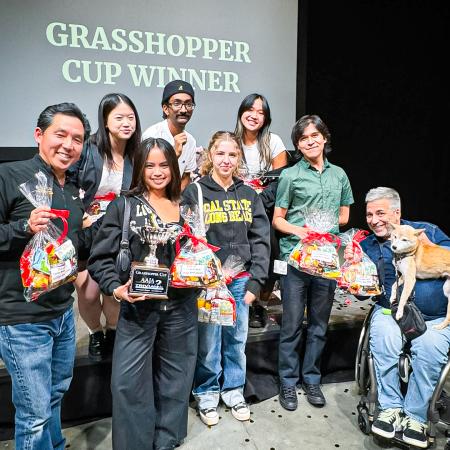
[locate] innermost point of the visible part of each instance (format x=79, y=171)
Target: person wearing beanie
x=178, y=103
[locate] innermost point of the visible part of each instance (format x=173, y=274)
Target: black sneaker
x=257, y=317
x=96, y=346
x=110, y=337
x=414, y=432
x=388, y=422
x=314, y=394
x=288, y=397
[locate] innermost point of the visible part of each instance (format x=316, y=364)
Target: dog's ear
x=419, y=231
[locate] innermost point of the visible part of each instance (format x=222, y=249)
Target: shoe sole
x=210, y=421
x=240, y=417
x=317, y=404
x=383, y=433
x=287, y=407
x=411, y=441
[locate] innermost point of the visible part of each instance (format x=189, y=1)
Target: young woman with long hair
x=262, y=150
x=156, y=340
x=102, y=174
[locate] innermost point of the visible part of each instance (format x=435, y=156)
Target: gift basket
x=217, y=305
x=316, y=253
x=195, y=263
x=359, y=276
x=49, y=259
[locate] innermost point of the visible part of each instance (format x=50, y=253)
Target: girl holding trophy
x=156, y=340
x=238, y=224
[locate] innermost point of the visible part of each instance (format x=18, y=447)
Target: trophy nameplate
x=149, y=277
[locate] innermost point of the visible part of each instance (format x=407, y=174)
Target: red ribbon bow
x=359, y=236
x=109, y=197
x=315, y=236
x=229, y=278
x=62, y=214
x=195, y=239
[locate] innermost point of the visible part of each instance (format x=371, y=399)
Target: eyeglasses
x=176, y=106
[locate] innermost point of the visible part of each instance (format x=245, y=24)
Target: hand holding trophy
x=149, y=278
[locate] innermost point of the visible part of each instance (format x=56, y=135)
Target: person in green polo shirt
x=311, y=183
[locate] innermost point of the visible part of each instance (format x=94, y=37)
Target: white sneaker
x=209, y=416
x=414, y=432
x=388, y=422
x=241, y=411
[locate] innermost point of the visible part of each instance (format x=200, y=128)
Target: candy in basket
x=359, y=276
x=195, y=264
x=217, y=305
x=316, y=254
x=49, y=259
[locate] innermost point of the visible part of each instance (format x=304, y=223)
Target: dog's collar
x=400, y=256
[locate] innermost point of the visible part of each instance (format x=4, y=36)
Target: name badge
x=280, y=267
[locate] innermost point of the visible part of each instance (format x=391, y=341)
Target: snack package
x=49, y=259
x=217, y=305
x=316, y=254
x=358, y=277
x=195, y=264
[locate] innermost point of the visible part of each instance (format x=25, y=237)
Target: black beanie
x=176, y=87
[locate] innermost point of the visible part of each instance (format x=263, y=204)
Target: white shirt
x=253, y=159
x=111, y=181
x=187, y=160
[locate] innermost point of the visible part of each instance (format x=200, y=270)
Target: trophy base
x=152, y=281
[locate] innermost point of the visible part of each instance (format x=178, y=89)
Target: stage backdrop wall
x=60, y=50
x=375, y=74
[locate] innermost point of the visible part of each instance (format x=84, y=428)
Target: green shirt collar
x=306, y=164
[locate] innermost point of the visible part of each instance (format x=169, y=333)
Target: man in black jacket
x=37, y=339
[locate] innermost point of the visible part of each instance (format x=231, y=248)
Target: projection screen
x=61, y=50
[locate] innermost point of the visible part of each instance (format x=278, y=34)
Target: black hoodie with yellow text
x=237, y=223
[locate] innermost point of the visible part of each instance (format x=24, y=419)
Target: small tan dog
x=415, y=259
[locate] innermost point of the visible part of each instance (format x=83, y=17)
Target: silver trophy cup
x=149, y=277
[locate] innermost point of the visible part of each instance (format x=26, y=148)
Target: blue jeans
x=299, y=289
x=39, y=358
x=429, y=355
x=221, y=361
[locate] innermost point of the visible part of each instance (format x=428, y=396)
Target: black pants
x=153, y=366
x=299, y=289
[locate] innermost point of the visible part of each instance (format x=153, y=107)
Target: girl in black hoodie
x=156, y=340
x=238, y=224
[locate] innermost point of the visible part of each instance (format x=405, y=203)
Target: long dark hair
x=101, y=138
x=263, y=134
x=138, y=187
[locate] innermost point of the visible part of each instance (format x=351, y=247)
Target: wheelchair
x=438, y=410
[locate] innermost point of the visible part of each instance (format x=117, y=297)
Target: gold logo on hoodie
x=224, y=211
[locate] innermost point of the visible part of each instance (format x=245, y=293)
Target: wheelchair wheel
x=363, y=419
